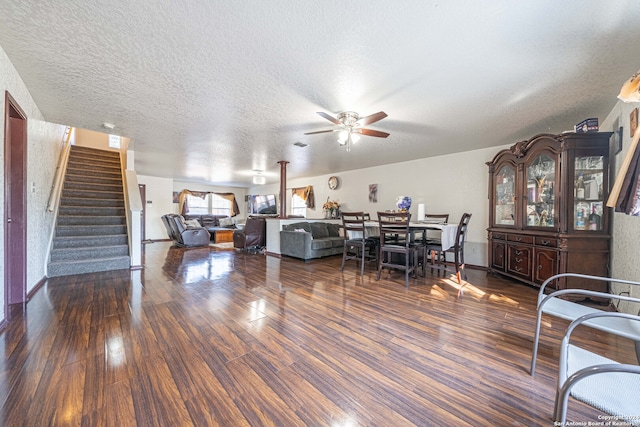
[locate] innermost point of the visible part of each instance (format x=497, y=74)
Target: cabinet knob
x=519, y=239
x=545, y=242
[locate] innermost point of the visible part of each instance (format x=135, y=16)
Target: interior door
x=15, y=228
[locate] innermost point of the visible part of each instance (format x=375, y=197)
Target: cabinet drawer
x=519, y=260
x=498, y=236
x=520, y=239
x=545, y=241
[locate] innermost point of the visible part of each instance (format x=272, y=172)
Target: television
x=262, y=204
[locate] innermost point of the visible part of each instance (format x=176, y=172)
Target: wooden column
x=283, y=188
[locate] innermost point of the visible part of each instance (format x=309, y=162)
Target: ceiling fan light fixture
x=343, y=135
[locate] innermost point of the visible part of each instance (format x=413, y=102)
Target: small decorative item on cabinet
x=403, y=203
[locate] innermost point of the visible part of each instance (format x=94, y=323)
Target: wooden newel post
x=283, y=188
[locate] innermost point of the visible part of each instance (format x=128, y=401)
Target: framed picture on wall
x=176, y=197
x=373, y=193
x=616, y=140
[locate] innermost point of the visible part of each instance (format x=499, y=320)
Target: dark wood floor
x=218, y=337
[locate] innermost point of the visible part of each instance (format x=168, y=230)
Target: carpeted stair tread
x=83, y=166
x=93, y=179
x=90, y=252
x=66, y=242
x=89, y=230
x=94, y=173
x=81, y=201
x=91, y=210
x=56, y=269
x=91, y=220
x=92, y=194
x=92, y=186
x=104, y=160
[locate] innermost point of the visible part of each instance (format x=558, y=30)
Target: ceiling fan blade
x=328, y=117
x=372, y=118
x=319, y=131
x=371, y=132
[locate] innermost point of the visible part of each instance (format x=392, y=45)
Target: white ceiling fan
x=351, y=126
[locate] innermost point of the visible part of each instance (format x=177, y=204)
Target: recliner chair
x=252, y=236
x=184, y=235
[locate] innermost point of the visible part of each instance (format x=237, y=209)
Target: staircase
x=91, y=231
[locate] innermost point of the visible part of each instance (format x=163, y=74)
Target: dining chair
x=457, y=249
x=357, y=246
x=434, y=238
x=397, y=251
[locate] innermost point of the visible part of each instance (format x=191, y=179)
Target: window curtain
x=306, y=194
x=183, y=206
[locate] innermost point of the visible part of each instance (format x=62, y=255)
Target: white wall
x=452, y=184
x=625, y=247
x=44, y=143
x=159, y=202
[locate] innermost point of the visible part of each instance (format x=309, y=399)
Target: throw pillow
x=192, y=223
x=300, y=230
x=225, y=222
x=319, y=230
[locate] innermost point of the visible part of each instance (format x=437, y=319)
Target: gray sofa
x=307, y=240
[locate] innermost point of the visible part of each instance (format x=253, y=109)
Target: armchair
x=253, y=235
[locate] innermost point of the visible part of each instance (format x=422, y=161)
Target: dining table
x=448, y=231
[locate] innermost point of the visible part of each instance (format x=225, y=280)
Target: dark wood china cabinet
x=547, y=209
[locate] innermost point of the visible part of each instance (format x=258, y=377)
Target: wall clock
x=333, y=182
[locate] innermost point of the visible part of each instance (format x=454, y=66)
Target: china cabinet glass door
x=541, y=204
x=505, y=187
x=587, y=196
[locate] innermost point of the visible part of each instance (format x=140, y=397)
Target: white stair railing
x=60, y=168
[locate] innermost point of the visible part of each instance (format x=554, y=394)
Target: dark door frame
x=15, y=203
x=143, y=218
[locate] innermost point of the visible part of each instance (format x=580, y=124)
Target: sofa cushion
x=334, y=230
x=319, y=230
x=321, y=244
x=337, y=242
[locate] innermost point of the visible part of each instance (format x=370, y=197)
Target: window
x=211, y=204
x=197, y=206
x=114, y=141
x=220, y=206
x=298, y=206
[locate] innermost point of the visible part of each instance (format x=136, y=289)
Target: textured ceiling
x=209, y=91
